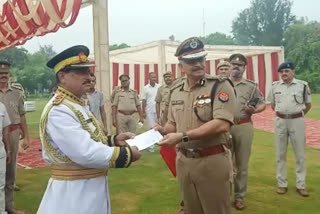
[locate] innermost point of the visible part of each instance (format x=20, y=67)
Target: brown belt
x=198, y=153
x=14, y=127
x=127, y=112
x=289, y=116
x=241, y=121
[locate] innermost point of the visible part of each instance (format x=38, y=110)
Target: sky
x=137, y=22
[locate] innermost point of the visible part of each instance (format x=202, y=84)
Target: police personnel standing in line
x=290, y=98
x=12, y=97
x=249, y=101
x=125, y=104
x=223, y=69
x=198, y=124
x=162, y=98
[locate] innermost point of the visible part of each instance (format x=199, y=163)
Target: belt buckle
x=193, y=153
x=287, y=116
x=236, y=121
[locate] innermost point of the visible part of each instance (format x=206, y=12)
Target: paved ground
x=263, y=121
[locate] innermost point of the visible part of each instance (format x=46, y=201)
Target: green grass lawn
x=148, y=186
x=315, y=109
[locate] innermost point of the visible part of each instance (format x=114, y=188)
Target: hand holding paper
x=145, y=139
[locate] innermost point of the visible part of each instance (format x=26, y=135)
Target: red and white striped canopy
x=262, y=63
x=23, y=19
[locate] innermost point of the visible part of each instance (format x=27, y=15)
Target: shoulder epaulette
x=180, y=84
x=58, y=99
x=17, y=86
x=253, y=82
x=302, y=81
x=275, y=82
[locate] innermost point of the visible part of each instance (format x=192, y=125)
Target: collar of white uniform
x=70, y=96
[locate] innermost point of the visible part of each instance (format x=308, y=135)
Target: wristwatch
x=185, y=137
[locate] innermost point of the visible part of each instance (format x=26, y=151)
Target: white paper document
x=146, y=139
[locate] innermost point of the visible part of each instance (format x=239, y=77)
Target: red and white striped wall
x=261, y=68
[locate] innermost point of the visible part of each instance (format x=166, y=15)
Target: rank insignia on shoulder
x=223, y=97
x=58, y=99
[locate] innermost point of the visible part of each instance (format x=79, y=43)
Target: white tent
x=159, y=57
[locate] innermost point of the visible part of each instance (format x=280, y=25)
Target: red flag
x=169, y=156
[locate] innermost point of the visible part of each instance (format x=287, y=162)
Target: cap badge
x=193, y=43
x=238, y=59
x=82, y=57
x=2, y=66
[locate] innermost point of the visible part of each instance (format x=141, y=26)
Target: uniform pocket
x=204, y=112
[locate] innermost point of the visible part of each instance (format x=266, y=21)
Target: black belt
x=289, y=116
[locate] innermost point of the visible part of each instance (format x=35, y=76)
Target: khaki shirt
x=113, y=93
x=184, y=100
x=163, y=97
x=290, y=98
x=246, y=90
x=126, y=100
x=14, y=102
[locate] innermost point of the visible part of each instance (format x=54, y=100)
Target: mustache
x=197, y=68
x=3, y=77
x=87, y=81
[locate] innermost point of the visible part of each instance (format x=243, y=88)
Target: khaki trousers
x=12, y=169
x=242, y=136
x=295, y=130
x=126, y=123
x=205, y=183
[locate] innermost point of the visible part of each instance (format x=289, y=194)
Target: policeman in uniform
x=125, y=104
x=291, y=99
x=74, y=143
x=249, y=101
x=162, y=98
x=223, y=69
x=12, y=97
x=200, y=115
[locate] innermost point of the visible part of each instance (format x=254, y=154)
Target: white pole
x=101, y=52
x=161, y=60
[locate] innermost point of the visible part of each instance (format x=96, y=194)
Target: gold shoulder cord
x=97, y=135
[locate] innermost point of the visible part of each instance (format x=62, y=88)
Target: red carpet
x=263, y=121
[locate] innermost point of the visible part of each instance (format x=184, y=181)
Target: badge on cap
x=82, y=57
x=3, y=66
x=193, y=43
x=223, y=96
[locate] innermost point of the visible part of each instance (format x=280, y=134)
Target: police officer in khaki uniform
x=162, y=98
x=198, y=124
x=223, y=69
x=125, y=104
x=291, y=100
x=249, y=101
x=12, y=98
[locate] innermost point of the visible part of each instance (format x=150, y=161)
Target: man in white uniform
x=149, y=94
x=74, y=144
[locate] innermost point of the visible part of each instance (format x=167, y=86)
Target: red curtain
x=250, y=74
x=173, y=70
x=115, y=71
x=262, y=73
x=274, y=66
x=216, y=62
x=137, y=77
x=156, y=72
x=208, y=67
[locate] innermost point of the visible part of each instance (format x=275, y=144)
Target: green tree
x=218, y=38
x=115, y=46
x=16, y=56
x=263, y=23
x=302, y=46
